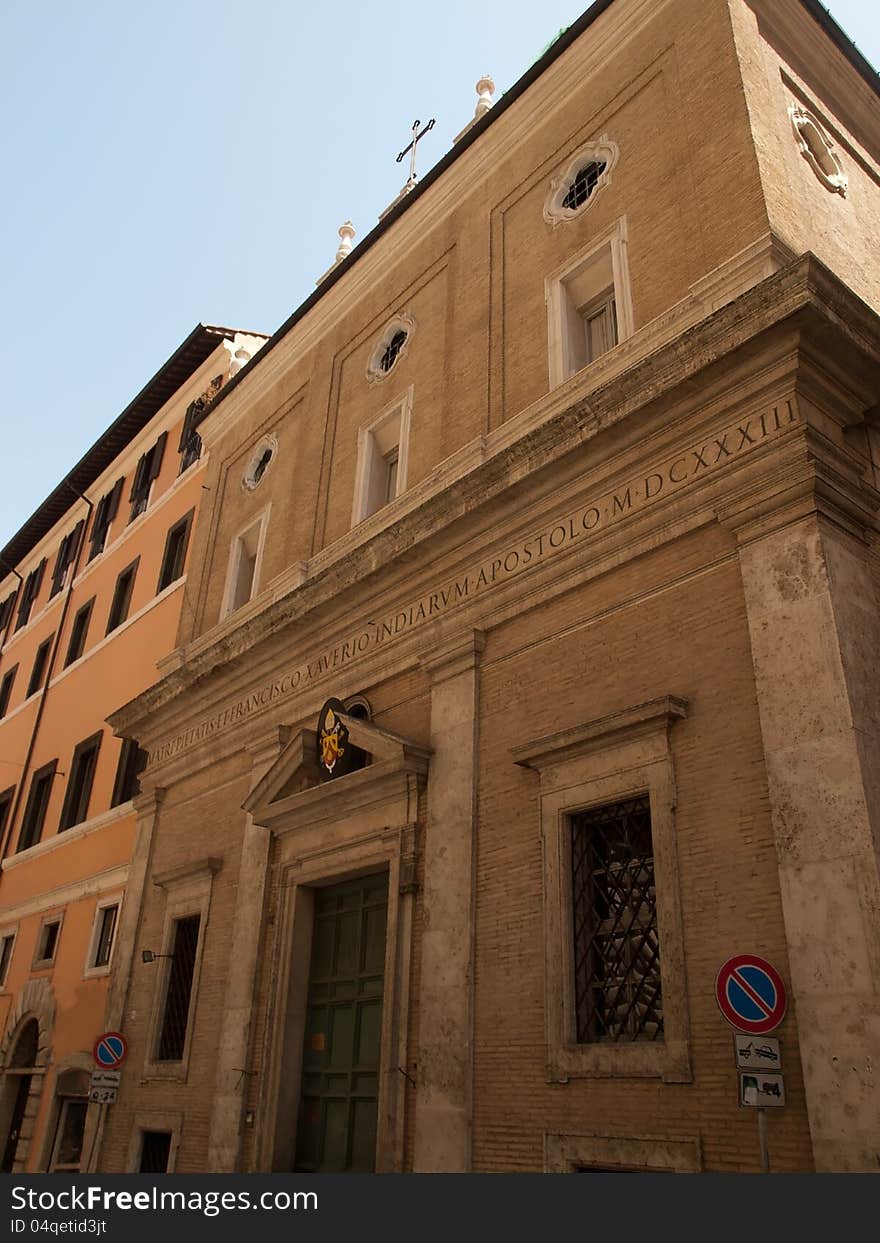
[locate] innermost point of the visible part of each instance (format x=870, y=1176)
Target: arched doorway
x=20, y=1070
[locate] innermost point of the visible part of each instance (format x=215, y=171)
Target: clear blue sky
x=183, y=161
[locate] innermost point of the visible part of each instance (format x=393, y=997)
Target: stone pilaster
x=230, y=1083
x=445, y=1058
x=815, y=635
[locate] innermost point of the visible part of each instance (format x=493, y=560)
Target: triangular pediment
x=296, y=770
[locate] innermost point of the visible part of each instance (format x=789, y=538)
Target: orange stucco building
x=90, y=597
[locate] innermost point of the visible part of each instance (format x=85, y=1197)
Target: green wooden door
x=340, y=1076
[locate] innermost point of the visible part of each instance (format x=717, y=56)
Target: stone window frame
x=363, y=823
x=46, y=964
x=606, y=252
x=565, y=1152
x=371, y=448
x=249, y=482
x=187, y=892
x=8, y=930
x=402, y=322
x=613, y=757
x=143, y=1121
x=233, y=562
x=104, y=901
x=602, y=150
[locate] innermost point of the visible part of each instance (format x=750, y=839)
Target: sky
x=187, y=161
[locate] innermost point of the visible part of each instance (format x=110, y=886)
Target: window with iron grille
x=78, y=632
x=155, y=1152
x=132, y=762
x=122, y=596
x=392, y=350
x=6, y=689
x=79, y=784
x=105, y=512
x=584, y=183
x=172, y=1034
x=38, y=672
x=617, y=994
x=37, y=803
x=28, y=595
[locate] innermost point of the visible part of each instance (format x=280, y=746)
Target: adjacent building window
x=155, y=1152
x=7, y=944
x=28, y=595
x=103, y=935
x=132, y=761
x=175, y=552
x=37, y=803
x=65, y=559
x=122, y=596
x=105, y=512
x=6, y=799
x=146, y=471
x=79, y=632
x=190, y=444
x=6, y=689
x=588, y=305
x=47, y=942
x=38, y=672
x=6, y=610
x=243, y=574
x=79, y=783
x=615, y=945
x=175, y=1017
x=382, y=460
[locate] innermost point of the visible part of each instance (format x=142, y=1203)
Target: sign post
x=751, y=996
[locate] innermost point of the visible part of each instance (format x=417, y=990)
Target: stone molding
x=455, y=655
x=35, y=1000
x=565, y=1152
x=64, y=895
x=74, y=834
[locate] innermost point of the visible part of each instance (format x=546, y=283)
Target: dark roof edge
x=174, y=372
x=839, y=36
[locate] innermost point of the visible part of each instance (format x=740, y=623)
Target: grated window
x=392, y=350
x=177, y=1000
x=583, y=185
x=615, y=940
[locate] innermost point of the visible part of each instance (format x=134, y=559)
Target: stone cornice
x=654, y=716
x=804, y=298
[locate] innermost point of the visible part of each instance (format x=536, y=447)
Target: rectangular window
x=6, y=800
x=190, y=444
x=79, y=783
x=38, y=672
x=172, y=1035
x=132, y=762
x=47, y=943
x=28, y=595
x=67, y=1149
x=6, y=611
x=175, y=552
x=600, y=326
x=382, y=460
x=155, y=1152
x=616, y=949
x=65, y=559
x=6, y=689
x=122, y=596
x=244, y=567
x=79, y=632
x=105, y=511
x=106, y=932
x=147, y=470
x=6, y=945
x=37, y=803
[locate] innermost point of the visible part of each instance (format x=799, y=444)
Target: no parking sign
x=750, y=994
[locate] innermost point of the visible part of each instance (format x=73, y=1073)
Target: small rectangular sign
x=757, y=1052
x=105, y=1078
x=103, y=1096
x=761, y=1089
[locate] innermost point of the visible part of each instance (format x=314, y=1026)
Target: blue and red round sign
x=750, y=994
x=110, y=1050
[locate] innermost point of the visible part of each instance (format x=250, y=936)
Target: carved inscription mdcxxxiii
x=577, y=527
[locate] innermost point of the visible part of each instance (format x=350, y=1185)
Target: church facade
x=533, y=664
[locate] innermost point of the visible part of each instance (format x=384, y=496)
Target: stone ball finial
x=485, y=90
x=346, y=233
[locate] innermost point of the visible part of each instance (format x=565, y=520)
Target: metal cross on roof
x=417, y=134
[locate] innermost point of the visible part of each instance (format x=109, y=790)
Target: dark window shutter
x=140, y=474
x=113, y=499
x=156, y=455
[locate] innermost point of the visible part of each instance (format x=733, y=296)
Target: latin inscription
x=574, y=528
